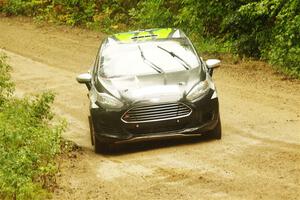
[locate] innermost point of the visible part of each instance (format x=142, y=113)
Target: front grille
x=157, y=112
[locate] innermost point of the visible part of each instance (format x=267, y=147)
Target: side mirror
x=86, y=79
x=212, y=64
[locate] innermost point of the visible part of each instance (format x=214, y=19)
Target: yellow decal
x=162, y=33
x=124, y=37
x=144, y=35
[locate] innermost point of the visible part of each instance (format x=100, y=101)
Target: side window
x=204, y=67
x=94, y=73
x=97, y=61
x=101, y=61
x=98, y=65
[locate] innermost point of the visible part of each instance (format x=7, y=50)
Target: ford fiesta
x=150, y=84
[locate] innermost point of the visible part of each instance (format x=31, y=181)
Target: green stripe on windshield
x=124, y=37
x=131, y=36
x=162, y=33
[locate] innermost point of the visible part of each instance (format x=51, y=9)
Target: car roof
x=146, y=35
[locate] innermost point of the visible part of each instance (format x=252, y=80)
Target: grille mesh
x=156, y=112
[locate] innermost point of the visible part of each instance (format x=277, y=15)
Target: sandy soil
x=258, y=157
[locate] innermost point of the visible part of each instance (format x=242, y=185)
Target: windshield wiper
x=184, y=64
x=151, y=64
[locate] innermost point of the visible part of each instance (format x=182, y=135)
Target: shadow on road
x=136, y=147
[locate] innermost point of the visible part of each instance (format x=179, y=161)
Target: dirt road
x=258, y=157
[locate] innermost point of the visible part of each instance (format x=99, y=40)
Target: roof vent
x=143, y=36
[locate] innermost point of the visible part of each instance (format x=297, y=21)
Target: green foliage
x=22, y=7
x=72, y=12
x=6, y=86
x=263, y=29
x=267, y=29
x=284, y=50
x=29, y=143
x=149, y=14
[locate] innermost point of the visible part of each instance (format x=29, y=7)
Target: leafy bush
x=149, y=14
x=72, y=12
x=284, y=49
x=22, y=7
x=29, y=143
x=6, y=85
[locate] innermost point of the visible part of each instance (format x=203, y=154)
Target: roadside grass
x=30, y=141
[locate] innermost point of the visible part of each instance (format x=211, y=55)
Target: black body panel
x=109, y=127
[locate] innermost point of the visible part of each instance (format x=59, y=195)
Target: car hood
x=152, y=88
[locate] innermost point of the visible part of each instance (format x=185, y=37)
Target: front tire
x=91, y=130
x=216, y=133
x=99, y=147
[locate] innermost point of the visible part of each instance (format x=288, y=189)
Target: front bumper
x=109, y=127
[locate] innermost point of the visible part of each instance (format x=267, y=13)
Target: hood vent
x=143, y=36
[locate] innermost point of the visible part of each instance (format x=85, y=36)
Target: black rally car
x=150, y=84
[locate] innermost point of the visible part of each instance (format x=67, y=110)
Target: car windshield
x=144, y=58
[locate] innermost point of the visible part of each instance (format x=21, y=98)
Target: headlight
x=198, y=91
x=106, y=101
